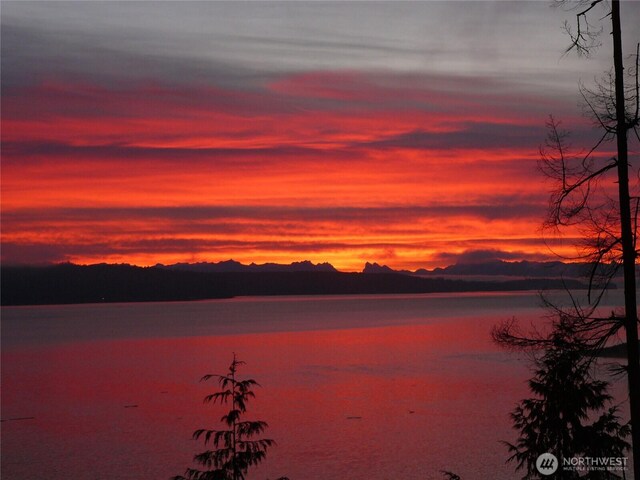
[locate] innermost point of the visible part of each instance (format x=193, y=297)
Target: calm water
x=361, y=387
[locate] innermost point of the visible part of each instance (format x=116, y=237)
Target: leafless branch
x=584, y=39
x=635, y=117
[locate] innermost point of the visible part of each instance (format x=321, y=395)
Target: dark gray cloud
x=471, y=257
x=48, y=151
x=31, y=55
x=239, y=42
x=36, y=254
x=492, y=208
x=469, y=135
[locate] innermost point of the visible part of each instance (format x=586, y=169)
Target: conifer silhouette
x=569, y=414
x=235, y=447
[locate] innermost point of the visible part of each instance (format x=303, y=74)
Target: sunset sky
x=400, y=133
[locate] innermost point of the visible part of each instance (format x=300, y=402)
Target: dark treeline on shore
x=68, y=283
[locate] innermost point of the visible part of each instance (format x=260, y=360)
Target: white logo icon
x=547, y=464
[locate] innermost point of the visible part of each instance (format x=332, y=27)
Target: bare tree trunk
x=627, y=237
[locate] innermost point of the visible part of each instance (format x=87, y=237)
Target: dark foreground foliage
x=235, y=446
x=570, y=413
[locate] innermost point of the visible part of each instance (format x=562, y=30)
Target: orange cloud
x=344, y=168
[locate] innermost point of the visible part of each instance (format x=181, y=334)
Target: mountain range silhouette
x=68, y=283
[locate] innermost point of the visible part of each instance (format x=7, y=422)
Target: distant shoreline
x=74, y=284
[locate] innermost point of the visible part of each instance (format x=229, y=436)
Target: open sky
x=401, y=133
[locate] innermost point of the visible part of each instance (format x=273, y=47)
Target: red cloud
x=416, y=160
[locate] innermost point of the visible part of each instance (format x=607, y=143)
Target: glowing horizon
x=279, y=133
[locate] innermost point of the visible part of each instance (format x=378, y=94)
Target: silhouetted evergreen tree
x=235, y=448
x=559, y=419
